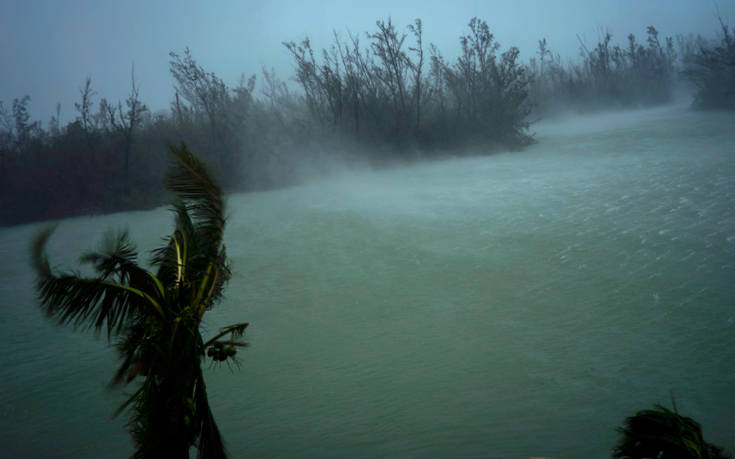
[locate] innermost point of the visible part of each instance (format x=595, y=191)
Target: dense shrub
x=383, y=94
x=710, y=66
x=608, y=75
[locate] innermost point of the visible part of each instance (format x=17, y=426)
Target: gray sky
x=50, y=46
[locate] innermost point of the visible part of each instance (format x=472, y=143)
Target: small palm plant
x=660, y=433
x=157, y=318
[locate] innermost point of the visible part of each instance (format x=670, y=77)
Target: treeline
x=607, y=75
x=710, y=66
x=636, y=74
x=400, y=93
x=390, y=97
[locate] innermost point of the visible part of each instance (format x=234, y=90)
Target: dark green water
x=510, y=305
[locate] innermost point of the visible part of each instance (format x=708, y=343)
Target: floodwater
x=515, y=304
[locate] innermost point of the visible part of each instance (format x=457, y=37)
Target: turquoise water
x=508, y=305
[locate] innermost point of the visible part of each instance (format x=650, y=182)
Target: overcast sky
x=49, y=47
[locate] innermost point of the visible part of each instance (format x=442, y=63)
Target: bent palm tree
x=157, y=317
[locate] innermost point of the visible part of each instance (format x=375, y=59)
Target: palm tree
x=660, y=433
x=156, y=318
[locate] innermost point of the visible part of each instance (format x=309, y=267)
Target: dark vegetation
x=398, y=94
x=383, y=96
x=710, y=66
x=156, y=318
x=662, y=433
x=608, y=75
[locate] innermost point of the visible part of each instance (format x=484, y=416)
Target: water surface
x=516, y=304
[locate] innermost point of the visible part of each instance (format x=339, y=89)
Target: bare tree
x=222, y=110
x=84, y=107
x=125, y=123
x=387, y=46
x=54, y=124
x=308, y=76
x=417, y=67
x=205, y=92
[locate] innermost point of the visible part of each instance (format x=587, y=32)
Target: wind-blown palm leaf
x=191, y=181
x=200, y=224
x=235, y=330
x=91, y=302
x=116, y=254
x=157, y=317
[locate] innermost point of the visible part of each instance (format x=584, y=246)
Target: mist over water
x=516, y=304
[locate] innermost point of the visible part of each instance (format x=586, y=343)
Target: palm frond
x=211, y=285
x=117, y=257
x=235, y=330
x=116, y=253
x=190, y=180
x=224, y=275
x=135, y=347
x=168, y=258
x=200, y=222
x=91, y=302
x=39, y=259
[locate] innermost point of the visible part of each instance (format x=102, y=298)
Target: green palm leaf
x=191, y=181
x=93, y=302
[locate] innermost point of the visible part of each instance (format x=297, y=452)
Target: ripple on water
x=487, y=306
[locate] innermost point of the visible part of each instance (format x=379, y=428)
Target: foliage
x=157, y=318
x=710, y=66
x=490, y=92
x=202, y=98
x=662, y=433
x=381, y=96
x=608, y=74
